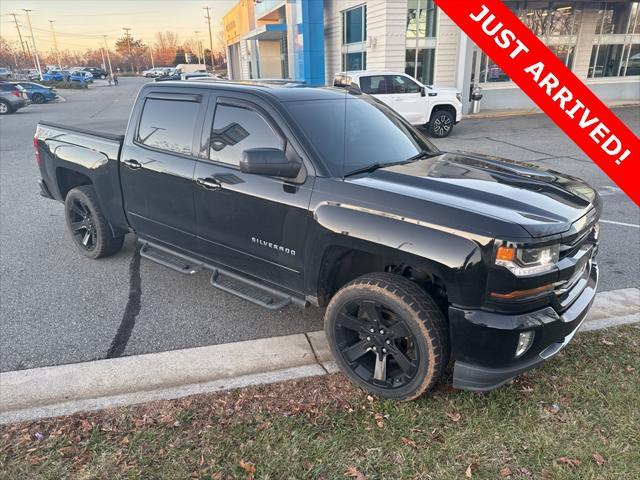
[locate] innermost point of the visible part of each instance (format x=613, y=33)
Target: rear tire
x=38, y=98
x=88, y=226
x=5, y=108
x=388, y=336
x=441, y=123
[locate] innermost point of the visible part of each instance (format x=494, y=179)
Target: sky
x=80, y=24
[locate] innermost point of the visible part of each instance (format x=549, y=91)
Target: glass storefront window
x=614, y=54
x=421, y=19
x=354, y=61
x=354, y=25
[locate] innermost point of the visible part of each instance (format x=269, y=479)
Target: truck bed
x=69, y=153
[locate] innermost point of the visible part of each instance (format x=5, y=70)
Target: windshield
x=356, y=131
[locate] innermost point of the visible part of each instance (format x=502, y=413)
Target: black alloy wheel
x=441, y=124
x=387, y=335
x=377, y=344
x=82, y=224
x=88, y=226
x=37, y=98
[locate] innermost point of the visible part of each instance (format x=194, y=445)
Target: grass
x=576, y=417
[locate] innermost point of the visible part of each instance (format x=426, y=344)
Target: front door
x=157, y=165
x=407, y=99
x=252, y=223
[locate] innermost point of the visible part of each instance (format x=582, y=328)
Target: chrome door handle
x=132, y=164
x=208, y=183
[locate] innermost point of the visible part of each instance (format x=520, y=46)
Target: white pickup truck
x=437, y=108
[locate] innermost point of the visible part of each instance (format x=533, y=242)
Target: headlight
x=459, y=96
x=523, y=262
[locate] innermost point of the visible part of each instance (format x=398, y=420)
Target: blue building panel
x=309, y=42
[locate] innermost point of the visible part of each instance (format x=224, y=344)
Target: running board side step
x=169, y=258
x=230, y=282
x=250, y=290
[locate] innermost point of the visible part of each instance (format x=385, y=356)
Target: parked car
x=96, y=72
x=328, y=197
x=5, y=74
x=437, y=108
x=12, y=98
x=155, y=72
x=194, y=75
x=169, y=74
x=81, y=76
x=38, y=93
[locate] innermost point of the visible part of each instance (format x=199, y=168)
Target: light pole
x=19, y=33
x=127, y=30
x=104, y=63
x=106, y=48
x=55, y=44
x=33, y=39
x=151, y=53
x=208, y=17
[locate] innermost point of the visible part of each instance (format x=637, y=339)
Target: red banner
x=552, y=86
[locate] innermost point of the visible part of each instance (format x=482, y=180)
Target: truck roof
x=282, y=90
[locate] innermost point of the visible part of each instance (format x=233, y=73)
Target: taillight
x=35, y=146
x=17, y=93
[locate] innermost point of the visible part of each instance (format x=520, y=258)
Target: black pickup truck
x=326, y=197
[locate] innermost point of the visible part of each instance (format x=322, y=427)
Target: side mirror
x=423, y=92
x=268, y=161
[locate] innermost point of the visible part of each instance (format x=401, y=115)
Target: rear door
x=255, y=224
x=376, y=85
x=157, y=164
x=407, y=99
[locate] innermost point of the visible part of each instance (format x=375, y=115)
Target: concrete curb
x=66, y=389
x=531, y=111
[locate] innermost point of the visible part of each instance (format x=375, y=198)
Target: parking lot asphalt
x=58, y=307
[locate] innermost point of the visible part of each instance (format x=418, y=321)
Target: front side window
x=236, y=129
x=400, y=84
x=168, y=125
x=356, y=131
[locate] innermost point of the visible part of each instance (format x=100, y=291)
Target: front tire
x=38, y=98
x=441, y=123
x=387, y=336
x=88, y=226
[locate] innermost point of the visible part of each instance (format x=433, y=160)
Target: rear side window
x=236, y=129
x=168, y=125
x=373, y=85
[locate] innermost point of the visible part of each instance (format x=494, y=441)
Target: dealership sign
x=553, y=87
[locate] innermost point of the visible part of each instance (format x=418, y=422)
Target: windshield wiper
x=375, y=166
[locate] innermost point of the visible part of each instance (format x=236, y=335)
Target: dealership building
x=311, y=40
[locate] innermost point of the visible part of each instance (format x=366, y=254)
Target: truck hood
x=542, y=202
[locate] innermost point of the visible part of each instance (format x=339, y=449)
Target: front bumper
x=484, y=343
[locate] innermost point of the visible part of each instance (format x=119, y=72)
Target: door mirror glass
x=268, y=161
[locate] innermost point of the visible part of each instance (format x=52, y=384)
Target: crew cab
x=436, y=108
x=288, y=194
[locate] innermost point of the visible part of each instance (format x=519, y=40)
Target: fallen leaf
x=607, y=342
x=409, y=442
x=572, y=462
x=307, y=465
x=470, y=468
x=599, y=459
x=505, y=472
x=355, y=473
x=216, y=476
x=525, y=471
x=379, y=420
x=248, y=467
x=454, y=416
x=369, y=399
x=629, y=369
x=263, y=426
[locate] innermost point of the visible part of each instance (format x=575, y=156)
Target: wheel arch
x=351, y=243
x=68, y=179
x=449, y=107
